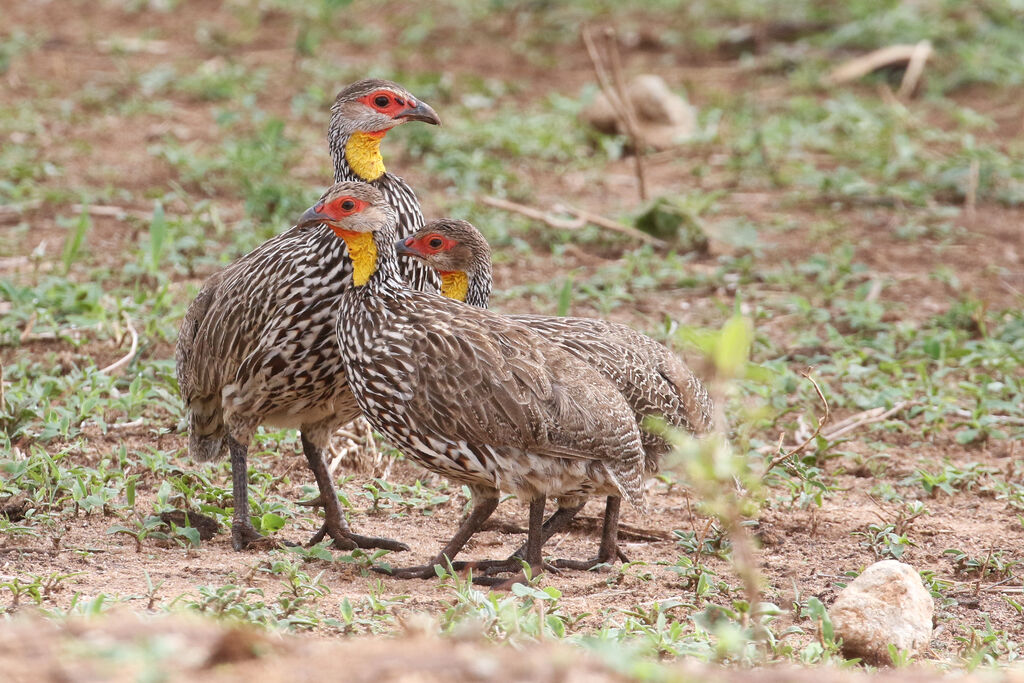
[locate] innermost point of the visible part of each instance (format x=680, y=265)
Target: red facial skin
x=395, y=105
x=336, y=211
x=424, y=247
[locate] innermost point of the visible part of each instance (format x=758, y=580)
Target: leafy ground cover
x=877, y=241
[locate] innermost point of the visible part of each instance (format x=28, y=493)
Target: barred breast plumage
x=258, y=344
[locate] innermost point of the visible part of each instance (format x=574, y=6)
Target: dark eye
x=348, y=205
x=435, y=243
x=381, y=100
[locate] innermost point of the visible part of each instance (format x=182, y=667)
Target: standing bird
x=654, y=382
x=469, y=394
x=258, y=344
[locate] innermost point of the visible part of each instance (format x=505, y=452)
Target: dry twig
x=607, y=223
x=864, y=418
x=614, y=89
x=915, y=57
x=535, y=214
x=915, y=69
x=581, y=218
x=785, y=455
x=119, y=364
x=29, y=324
x=126, y=425
x=971, y=193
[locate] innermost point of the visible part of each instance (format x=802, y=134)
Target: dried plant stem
x=971, y=194
x=614, y=89
x=785, y=455
x=119, y=364
x=628, y=112
x=581, y=218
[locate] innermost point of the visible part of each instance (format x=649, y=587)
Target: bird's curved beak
x=421, y=112
x=312, y=217
x=403, y=249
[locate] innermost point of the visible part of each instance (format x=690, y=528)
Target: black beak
x=402, y=250
x=421, y=112
x=312, y=217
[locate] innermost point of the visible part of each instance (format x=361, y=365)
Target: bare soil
x=802, y=552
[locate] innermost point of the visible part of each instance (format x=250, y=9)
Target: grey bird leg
x=334, y=520
x=482, y=510
x=558, y=521
x=609, y=549
x=243, y=533
x=533, y=556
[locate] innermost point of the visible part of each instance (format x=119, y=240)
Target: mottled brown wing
x=482, y=378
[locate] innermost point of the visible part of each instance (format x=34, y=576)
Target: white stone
x=887, y=604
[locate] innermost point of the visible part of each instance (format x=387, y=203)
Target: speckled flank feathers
x=650, y=376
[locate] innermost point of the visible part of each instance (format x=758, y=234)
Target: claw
x=317, y=502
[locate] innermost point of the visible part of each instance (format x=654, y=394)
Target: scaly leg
x=243, y=533
x=609, y=549
x=334, y=520
x=558, y=521
x=482, y=509
x=533, y=554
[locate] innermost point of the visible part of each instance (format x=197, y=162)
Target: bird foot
x=591, y=564
x=245, y=537
x=317, y=502
x=491, y=569
x=422, y=571
x=346, y=540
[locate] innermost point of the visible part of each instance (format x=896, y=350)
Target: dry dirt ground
x=802, y=553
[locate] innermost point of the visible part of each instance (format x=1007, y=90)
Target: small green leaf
x=73, y=242
x=733, y=347
x=565, y=298
x=157, y=235
x=966, y=436
x=270, y=522
x=347, y=613
x=189, y=532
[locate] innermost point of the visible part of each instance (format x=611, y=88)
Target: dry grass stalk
x=120, y=363
x=614, y=89
x=580, y=218
x=786, y=455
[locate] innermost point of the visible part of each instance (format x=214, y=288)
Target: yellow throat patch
x=362, y=152
x=454, y=285
x=363, y=253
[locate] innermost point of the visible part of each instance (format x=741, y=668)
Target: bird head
x=454, y=248
x=374, y=105
x=362, y=115
x=355, y=212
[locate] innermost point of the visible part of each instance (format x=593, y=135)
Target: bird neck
x=374, y=264
x=362, y=155
x=473, y=287
x=454, y=284
x=479, y=287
